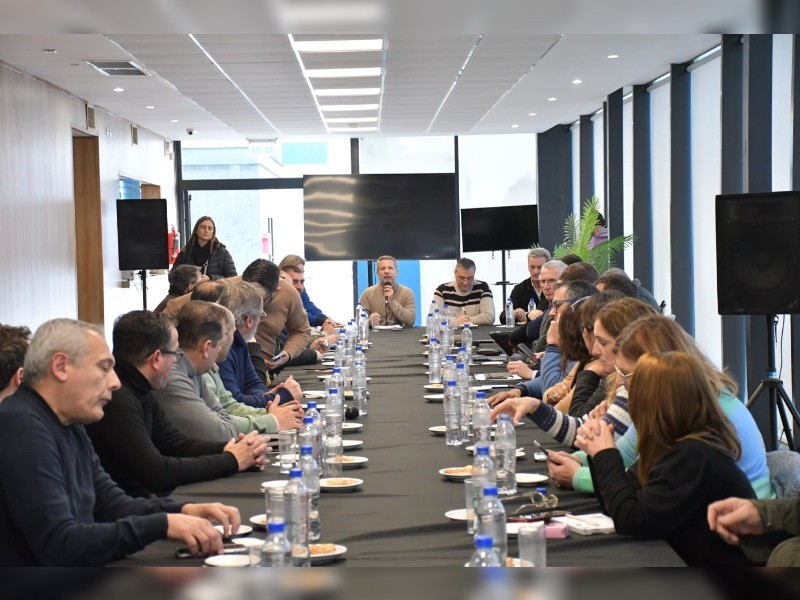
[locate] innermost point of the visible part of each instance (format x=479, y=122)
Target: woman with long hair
x=204, y=250
x=687, y=451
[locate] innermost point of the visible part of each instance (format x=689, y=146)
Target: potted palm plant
x=578, y=231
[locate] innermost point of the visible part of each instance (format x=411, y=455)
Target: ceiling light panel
x=347, y=45
x=351, y=119
x=348, y=92
x=348, y=107
x=344, y=72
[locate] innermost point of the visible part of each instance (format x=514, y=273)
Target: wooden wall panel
x=88, y=229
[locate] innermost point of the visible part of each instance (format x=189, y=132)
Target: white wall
x=660, y=161
x=627, y=183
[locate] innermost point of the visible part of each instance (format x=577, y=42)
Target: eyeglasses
x=577, y=302
x=624, y=377
x=559, y=303
x=178, y=354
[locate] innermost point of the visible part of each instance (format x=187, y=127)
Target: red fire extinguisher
x=173, y=244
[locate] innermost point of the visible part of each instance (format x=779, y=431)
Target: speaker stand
x=143, y=275
x=775, y=392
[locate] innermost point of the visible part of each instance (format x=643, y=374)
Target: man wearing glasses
x=472, y=299
x=530, y=289
x=138, y=446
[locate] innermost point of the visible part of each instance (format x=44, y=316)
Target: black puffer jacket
x=220, y=263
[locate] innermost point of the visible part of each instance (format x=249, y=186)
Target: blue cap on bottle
x=482, y=449
x=294, y=473
x=275, y=527
x=308, y=419
x=483, y=541
x=306, y=450
x=312, y=404
x=337, y=370
x=490, y=490
x=542, y=490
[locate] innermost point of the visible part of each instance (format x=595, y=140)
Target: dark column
x=586, y=158
x=355, y=169
x=734, y=355
x=681, y=248
x=554, y=159
x=758, y=178
x=615, y=217
x=794, y=386
x=642, y=188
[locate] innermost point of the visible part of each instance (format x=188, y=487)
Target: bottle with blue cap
x=310, y=469
x=463, y=358
x=491, y=517
x=505, y=443
x=481, y=418
x=466, y=340
x=454, y=435
x=462, y=384
x=336, y=381
x=308, y=435
x=485, y=554
x=449, y=367
x=295, y=515
x=434, y=361
x=276, y=551
x=313, y=412
x=360, y=385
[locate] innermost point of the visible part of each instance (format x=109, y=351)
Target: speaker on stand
x=142, y=237
x=758, y=273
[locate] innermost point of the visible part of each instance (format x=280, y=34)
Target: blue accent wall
x=408, y=275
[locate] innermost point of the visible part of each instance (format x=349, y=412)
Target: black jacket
x=220, y=263
x=141, y=449
x=521, y=295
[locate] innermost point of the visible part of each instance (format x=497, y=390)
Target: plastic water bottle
x=360, y=388
x=454, y=435
x=449, y=368
x=310, y=468
x=332, y=445
x=437, y=320
x=363, y=328
x=359, y=308
x=466, y=339
x=483, y=469
x=334, y=402
x=531, y=304
x=340, y=351
x=314, y=413
x=492, y=521
x=276, y=551
x=336, y=381
x=485, y=554
x=434, y=361
x=510, y=313
x=481, y=419
x=447, y=336
x=505, y=443
x=429, y=326
x=308, y=435
x=462, y=383
x=462, y=358
x=295, y=511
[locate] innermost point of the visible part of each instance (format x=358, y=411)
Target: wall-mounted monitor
x=142, y=234
x=499, y=228
x=360, y=217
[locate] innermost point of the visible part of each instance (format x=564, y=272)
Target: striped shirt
x=477, y=304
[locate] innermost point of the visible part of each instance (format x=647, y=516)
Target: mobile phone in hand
x=540, y=455
x=277, y=356
x=229, y=548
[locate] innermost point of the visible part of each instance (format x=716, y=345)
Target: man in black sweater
x=57, y=504
x=142, y=451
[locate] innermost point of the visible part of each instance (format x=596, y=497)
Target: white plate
x=354, y=462
x=228, y=560
x=327, y=557
x=438, y=429
x=490, y=363
x=425, y=353
x=351, y=427
x=352, y=444
x=249, y=542
x=243, y=530
x=434, y=387
x=324, y=377
x=530, y=478
x=314, y=394
x=457, y=514
x=276, y=484
x=454, y=476
x=259, y=521
x=325, y=487
x=434, y=397
x=328, y=363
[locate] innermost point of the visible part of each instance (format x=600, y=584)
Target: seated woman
x=205, y=251
x=655, y=333
x=687, y=452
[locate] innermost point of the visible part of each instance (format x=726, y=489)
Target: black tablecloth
x=397, y=517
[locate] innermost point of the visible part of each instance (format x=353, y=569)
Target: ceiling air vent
x=134, y=135
x=90, y=123
x=117, y=67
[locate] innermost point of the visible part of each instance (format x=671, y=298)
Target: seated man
x=530, y=289
x=295, y=267
x=617, y=279
x=472, y=298
x=208, y=291
x=13, y=346
x=205, y=335
x=137, y=445
x=388, y=302
x=57, y=504
x=535, y=330
x=182, y=280
x=284, y=310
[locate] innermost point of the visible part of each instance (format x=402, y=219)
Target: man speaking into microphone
x=388, y=302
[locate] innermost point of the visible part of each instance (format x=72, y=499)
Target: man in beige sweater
x=388, y=302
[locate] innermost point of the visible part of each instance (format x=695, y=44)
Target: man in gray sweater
x=205, y=335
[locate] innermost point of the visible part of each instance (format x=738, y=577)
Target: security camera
x=190, y=131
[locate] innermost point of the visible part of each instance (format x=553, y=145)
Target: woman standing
x=687, y=453
x=205, y=251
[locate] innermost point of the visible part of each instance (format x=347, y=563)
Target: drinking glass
x=532, y=545
x=287, y=449
x=471, y=501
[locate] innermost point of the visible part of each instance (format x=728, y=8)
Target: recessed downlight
x=149, y=107
x=613, y=56
x=174, y=121
x=552, y=99
x=531, y=114
x=577, y=81
x=118, y=89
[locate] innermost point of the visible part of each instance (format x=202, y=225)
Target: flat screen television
x=142, y=234
x=361, y=217
x=499, y=228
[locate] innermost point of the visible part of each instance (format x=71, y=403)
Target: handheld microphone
x=385, y=283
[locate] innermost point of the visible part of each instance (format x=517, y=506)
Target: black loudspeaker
x=142, y=234
x=758, y=253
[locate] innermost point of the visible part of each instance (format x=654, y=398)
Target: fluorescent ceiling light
x=577, y=81
x=552, y=99
x=352, y=120
x=348, y=107
x=346, y=72
x=613, y=56
x=340, y=45
x=514, y=126
x=118, y=89
x=349, y=129
x=349, y=92
x=531, y=114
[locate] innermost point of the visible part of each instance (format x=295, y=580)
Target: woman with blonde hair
x=687, y=452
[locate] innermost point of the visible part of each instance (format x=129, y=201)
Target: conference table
x=397, y=517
